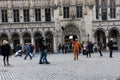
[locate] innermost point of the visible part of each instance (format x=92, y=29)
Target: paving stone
x=63, y=67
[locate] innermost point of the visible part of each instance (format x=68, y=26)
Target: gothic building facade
x=24, y=21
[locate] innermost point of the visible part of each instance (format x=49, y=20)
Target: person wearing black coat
x=100, y=48
x=88, y=49
x=110, y=46
x=6, y=49
x=43, y=51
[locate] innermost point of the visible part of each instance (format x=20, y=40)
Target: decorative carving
x=73, y=13
x=90, y=3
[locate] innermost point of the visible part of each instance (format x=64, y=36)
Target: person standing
x=88, y=49
x=6, y=50
x=43, y=51
x=27, y=51
x=110, y=46
x=76, y=45
x=100, y=48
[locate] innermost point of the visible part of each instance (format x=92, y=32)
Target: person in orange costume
x=77, y=45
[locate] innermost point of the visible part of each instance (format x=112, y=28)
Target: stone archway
x=26, y=38
x=15, y=39
x=70, y=30
x=36, y=36
x=99, y=35
x=3, y=37
x=49, y=41
x=114, y=34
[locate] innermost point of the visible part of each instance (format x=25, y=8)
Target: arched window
x=112, y=9
x=104, y=9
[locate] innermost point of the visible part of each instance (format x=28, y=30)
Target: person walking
x=76, y=45
x=27, y=51
x=110, y=46
x=100, y=48
x=18, y=50
x=6, y=50
x=32, y=50
x=43, y=51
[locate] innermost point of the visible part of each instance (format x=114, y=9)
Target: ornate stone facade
x=86, y=27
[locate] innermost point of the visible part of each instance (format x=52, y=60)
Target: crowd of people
x=85, y=48
x=29, y=50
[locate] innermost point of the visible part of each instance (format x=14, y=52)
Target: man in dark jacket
x=88, y=49
x=43, y=51
x=110, y=45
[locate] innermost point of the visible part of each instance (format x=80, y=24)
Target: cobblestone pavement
x=63, y=67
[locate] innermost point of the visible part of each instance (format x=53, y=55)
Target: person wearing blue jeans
x=43, y=57
x=43, y=51
x=27, y=51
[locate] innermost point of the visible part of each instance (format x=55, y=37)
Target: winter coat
x=110, y=45
x=6, y=50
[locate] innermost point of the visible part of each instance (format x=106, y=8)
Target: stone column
x=55, y=45
x=43, y=15
x=107, y=40
x=10, y=41
x=21, y=41
x=0, y=17
x=21, y=15
x=32, y=15
x=32, y=39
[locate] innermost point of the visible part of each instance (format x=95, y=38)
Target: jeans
x=43, y=56
x=111, y=52
x=28, y=54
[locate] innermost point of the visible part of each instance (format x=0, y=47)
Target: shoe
x=47, y=62
x=41, y=63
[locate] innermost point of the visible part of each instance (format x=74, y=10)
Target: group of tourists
x=88, y=48
x=5, y=50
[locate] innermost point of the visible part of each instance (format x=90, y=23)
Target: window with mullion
x=104, y=9
x=37, y=14
x=66, y=12
x=26, y=15
x=79, y=12
x=112, y=9
x=4, y=15
x=47, y=14
x=97, y=8
x=16, y=15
